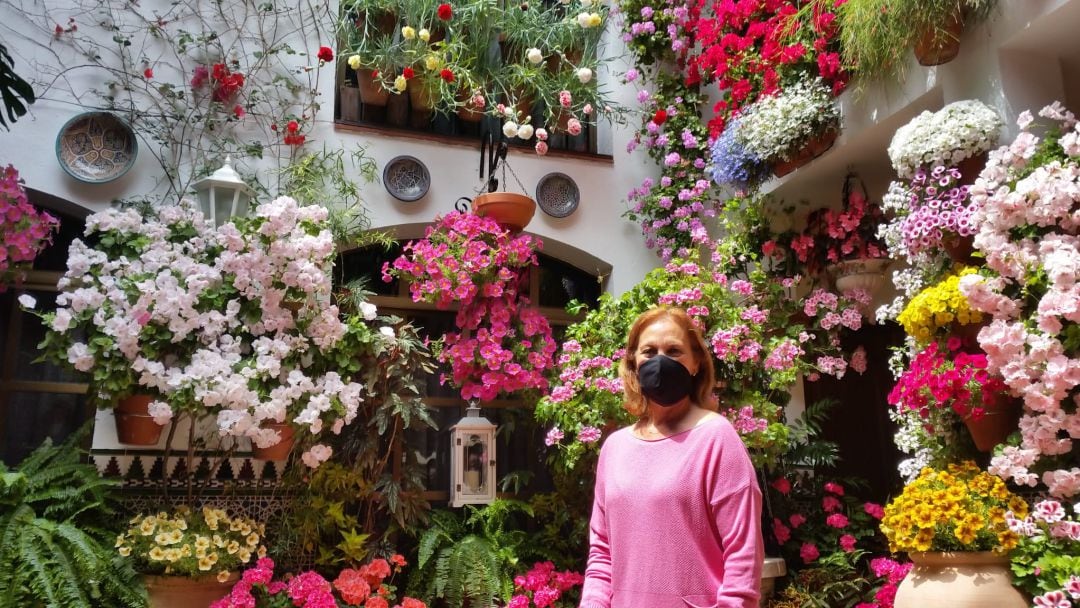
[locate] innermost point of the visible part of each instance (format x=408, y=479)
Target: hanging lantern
x=223, y=194
x=472, y=459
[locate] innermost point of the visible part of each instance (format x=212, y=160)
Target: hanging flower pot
x=970, y=168
x=960, y=248
x=1001, y=417
x=811, y=150
x=867, y=274
x=939, y=45
x=134, y=424
x=281, y=449
x=965, y=579
x=511, y=210
x=422, y=96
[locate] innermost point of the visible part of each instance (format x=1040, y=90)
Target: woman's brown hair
x=702, y=392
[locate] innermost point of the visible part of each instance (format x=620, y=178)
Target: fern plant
x=56, y=515
x=468, y=560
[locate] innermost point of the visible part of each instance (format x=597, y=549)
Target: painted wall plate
x=406, y=178
x=557, y=194
x=96, y=147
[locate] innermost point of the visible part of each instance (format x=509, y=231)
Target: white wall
x=596, y=227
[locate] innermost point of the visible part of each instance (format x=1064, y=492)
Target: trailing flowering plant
x=777, y=126
x=961, y=508
x=234, y=322
x=544, y=586
x=939, y=307
x=732, y=164
x=186, y=542
x=832, y=235
x=954, y=380
x=1030, y=235
x=1046, y=564
x=956, y=132
x=24, y=231
x=462, y=256
x=369, y=585
x=929, y=209
x=504, y=345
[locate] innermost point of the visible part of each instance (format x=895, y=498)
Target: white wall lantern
x=472, y=460
x=223, y=194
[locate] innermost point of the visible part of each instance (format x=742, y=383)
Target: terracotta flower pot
x=969, y=333
x=134, y=425
x=371, y=92
x=281, y=449
x=940, y=45
x=1000, y=418
x=421, y=95
x=467, y=112
x=186, y=592
x=811, y=150
x=511, y=210
x=959, y=580
x=960, y=248
x=971, y=167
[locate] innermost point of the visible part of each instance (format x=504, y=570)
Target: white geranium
x=958, y=131
x=775, y=128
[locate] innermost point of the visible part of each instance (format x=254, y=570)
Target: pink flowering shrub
x=760, y=339
x=1029, y=232
x=24, y=231
x=890, y=573
x=504, y=345
x=367, y=586
x=946, y=379
x=543, y=587
x=813, y=518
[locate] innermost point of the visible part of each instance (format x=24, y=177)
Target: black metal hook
x=493, y=154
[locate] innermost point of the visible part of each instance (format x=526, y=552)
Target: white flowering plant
x=234, y=322
x=777, y=127
x=958, y=131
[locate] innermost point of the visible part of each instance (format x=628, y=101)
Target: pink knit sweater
x=676, y=522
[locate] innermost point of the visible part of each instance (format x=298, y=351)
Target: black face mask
x=664, y=381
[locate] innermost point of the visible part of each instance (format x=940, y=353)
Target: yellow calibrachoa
x=191, y=543
x=938, y=306
x=959, y=509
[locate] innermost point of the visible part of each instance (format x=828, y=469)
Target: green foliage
x=833, y=583
x=1044, y=562
x=56, y=533
x=16, y=92
x=470, y=558
x=877, y=35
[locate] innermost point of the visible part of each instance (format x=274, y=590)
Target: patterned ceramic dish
x=557, y=194
x=406, y=178
x=96, y=147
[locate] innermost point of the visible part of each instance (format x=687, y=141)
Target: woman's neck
x=670, y=418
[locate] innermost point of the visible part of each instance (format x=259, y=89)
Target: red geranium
x=660, y=117
x=447, y=75
x=408, y=73
x=325, y=54
x=445, y=12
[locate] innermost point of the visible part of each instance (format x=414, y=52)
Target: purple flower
x=588, y=434
x=553, y=436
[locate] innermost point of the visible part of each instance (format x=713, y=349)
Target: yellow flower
x=354, y=62
x=218, y=541
x=244, y=555
x=252, y=540
x=223, y=576
x=156, y=554
x=431, y=62
x=119, y=541
x=232, y=547
x=408, y=33
x=205, y=564
x=424, y=34
x=261, y=552
x=400, y=83
x=163, y=538
x=125, y=551
x=594, y=19
x=202, y=542
x=147, y=527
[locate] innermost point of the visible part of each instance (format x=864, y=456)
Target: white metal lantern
x=223, y=194
x=472, y=459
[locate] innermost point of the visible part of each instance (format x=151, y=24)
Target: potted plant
x=930, y=213
x=952, y=525
x=941, y=306
x=24, y=231
x=370, y=585
x=189, y=557
x=1046, y=562
x=59, y=520
x=960, y=131
x=792, y=127
x=543, y=586
x=875, y=35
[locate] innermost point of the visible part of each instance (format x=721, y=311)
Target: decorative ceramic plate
x=406, y=178
x=96, y=147
x=557, y=194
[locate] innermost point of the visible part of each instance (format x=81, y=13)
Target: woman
x=676, y=518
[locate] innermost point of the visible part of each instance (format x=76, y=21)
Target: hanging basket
x=811, y=150
x=1000, y=418
x=971, y=167
x=281, y=449
x=134, y=424
x=511, y=210
x=960, y=248
x=939, y=45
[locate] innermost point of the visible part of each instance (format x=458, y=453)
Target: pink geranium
x=543, y=586
x=24, y=231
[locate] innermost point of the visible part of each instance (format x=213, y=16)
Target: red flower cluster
x=408, y=73
x=445, y=12
x=447, y=75
x=749, y=46
x=325, y=54
x=224, y=83
x=293, y=137
x=953, y=379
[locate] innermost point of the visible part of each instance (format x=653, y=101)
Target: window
x=520, y=440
